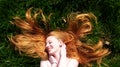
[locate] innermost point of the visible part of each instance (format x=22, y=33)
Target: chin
x=51, y=53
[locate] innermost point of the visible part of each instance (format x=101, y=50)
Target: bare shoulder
x=72, y=62
x=44, y=63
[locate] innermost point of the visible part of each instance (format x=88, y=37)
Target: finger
x=52, y=59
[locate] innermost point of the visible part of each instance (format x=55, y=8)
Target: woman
x=58, y=48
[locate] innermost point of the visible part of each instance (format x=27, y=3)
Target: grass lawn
x=108, y=27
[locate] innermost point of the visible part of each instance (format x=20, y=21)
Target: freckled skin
x=57, y=54
x=52, y=45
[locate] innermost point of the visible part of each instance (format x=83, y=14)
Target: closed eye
x=49, y=42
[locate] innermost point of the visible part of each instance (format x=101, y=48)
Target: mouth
x=48, y=49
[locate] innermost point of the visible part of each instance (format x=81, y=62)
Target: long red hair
x=32, y=39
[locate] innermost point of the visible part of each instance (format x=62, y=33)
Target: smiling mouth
x=48, y=49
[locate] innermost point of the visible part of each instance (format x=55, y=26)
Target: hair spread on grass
x=32, y=39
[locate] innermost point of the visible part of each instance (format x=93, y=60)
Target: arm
x=62, y=61
x=66, y=62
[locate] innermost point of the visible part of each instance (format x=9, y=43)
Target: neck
x=57, y=55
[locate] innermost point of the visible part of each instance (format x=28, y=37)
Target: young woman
x=60, y=48
x=56, y=48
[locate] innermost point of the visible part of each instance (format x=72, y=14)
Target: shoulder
x=44, y=63
x=72, y=62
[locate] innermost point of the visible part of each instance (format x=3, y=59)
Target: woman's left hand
x=63, y=50
x=62, y=61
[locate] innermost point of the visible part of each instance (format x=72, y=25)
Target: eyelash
x=49, y=42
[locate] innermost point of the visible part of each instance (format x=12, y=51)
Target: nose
x=47, y=47
x=47, y=44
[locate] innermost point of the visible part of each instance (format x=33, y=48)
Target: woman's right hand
x=52, y=60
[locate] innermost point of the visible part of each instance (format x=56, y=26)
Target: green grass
x=108, y=27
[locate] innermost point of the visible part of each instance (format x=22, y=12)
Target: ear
x=61, y=43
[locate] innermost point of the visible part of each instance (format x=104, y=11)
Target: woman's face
x=52, y=44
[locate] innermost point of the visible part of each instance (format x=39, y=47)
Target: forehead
x=51, y=38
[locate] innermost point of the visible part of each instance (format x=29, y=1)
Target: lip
x=48, y=48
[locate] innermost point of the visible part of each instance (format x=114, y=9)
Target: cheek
x=55, y=48
x=56, y=45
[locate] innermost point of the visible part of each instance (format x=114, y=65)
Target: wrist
x=54, y=63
